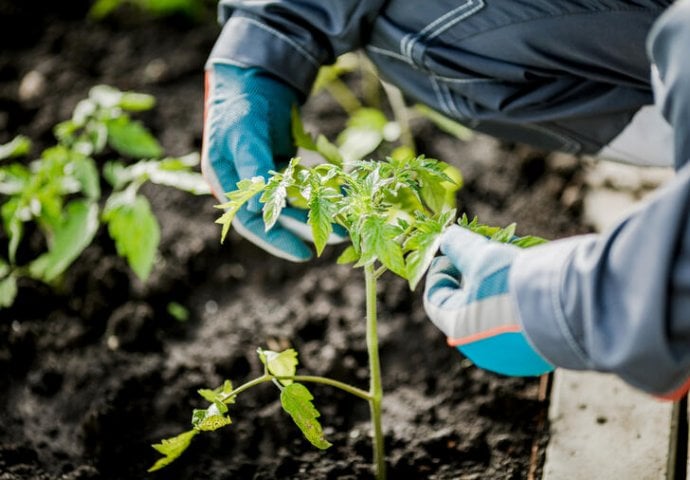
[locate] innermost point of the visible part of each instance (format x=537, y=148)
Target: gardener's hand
x=246, y=134
x=467, y=296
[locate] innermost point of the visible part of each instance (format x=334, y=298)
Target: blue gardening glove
x=467, y=296
x=247, y=133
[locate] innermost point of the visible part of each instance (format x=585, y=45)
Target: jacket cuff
x=247, y=42
x=536, y=282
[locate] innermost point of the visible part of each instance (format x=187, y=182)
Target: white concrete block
x=603, y=429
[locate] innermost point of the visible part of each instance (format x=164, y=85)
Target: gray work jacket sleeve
x=291, y=39
x=617, y=302
x=620, y=302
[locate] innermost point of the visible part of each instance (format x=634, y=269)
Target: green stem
x=344, y=96
x=267, y=377
x=357, y=392
x=375, y=388
x=379, y=271
x=262, y=379
x=397, y=102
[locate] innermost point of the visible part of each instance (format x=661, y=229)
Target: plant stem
x=357, y=392
x=397, y=102
x=375, y=389
x=252, y=383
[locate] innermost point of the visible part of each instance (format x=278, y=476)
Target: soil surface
x=94, y=372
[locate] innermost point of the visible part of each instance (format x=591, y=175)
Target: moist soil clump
x=95, y=371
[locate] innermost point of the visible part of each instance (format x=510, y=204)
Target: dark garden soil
x=94, y=373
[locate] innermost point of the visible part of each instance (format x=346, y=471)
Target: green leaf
x=219, y=395
x=86, y=173
x=378, y=241
x=301, y=137
x=105, y=96
x=171, y=173
x=136, y=233
x=358, y=142
x=275, y=193
x=172, y=448
x=14, y=179
x=131, y=138
x=322, y=209
x=423, y=243
x=369, y=119
x=529, y=241
x=136, y=102
x=116, y=174
x=246, y=189
x=178, y=311
x=74, y=234
x=505, y=235
x=210, y=423
x=102, y=8
x=283, y=364
x=14, y=226
x=8, y=291
x=296, y=400
x=349, y=255
x=17, y=147
x=65, y=131
x=329, y=151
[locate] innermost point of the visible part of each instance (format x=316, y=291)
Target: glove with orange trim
x=468, y=297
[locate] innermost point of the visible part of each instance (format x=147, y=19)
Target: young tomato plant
x=395, y=212
x=60, y=192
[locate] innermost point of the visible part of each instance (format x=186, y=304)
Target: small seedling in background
x=60, y=192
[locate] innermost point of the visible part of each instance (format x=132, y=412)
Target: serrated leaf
x=131, y=138
x=213, y=422
x=74, y=234
x=297, y=401
x=246, y=189
x=322, y=208
x=275, y=193
x=136, y=233
x=220, y=394
x=17, y=147
x=378, y=242
x=349, y=255
x=208, y=394
x=8, y=291
x=504, y=235
x=283, y=364
x=423, y=243
x=172, y=448
x=211, y=418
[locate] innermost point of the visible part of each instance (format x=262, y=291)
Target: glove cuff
x=246, y=42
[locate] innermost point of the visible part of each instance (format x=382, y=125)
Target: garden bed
x=92, y=374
